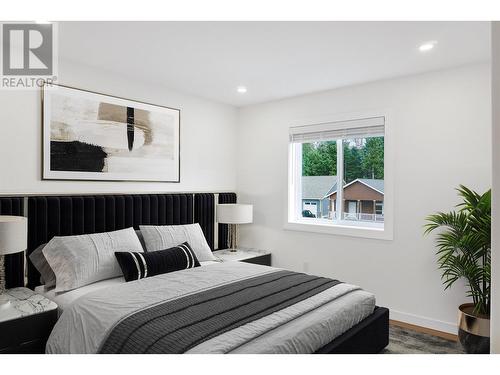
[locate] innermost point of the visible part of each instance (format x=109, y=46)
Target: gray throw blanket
x=178, y=325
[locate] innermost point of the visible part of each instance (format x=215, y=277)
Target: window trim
x=344, y=228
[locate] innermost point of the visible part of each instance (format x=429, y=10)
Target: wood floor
x=429, y=331
x=409, y=339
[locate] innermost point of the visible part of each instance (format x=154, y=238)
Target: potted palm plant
x=464, y=252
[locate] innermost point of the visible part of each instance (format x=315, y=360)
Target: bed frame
x=50, y=216
x=370, y=336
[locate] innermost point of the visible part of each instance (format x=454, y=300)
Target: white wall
x=442, y=138
x=207, y=137
x=495, y=229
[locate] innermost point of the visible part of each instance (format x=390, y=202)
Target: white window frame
x=345, y=228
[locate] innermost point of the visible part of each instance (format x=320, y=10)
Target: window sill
x=348, y=229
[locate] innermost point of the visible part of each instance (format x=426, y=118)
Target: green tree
x=319, y=159
x=373, y=158
x=353, y=161
x=361, y=159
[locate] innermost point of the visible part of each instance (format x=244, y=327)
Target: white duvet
x=301, y=328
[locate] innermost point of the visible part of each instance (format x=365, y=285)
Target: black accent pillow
x=137, y=266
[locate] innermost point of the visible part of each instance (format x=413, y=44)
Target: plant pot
x=473, y=330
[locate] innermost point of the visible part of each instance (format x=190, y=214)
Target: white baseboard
x=423, y=321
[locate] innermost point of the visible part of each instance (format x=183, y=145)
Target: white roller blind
x=358, y=128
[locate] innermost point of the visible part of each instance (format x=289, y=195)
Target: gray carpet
x=405, y=341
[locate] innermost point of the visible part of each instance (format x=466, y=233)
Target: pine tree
x=319, y=159
x=363, y=159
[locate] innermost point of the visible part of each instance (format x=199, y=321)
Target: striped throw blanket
x=178, y=325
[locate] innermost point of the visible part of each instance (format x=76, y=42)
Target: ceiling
x=274, y=60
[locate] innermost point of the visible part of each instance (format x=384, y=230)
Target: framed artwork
x=91, y=136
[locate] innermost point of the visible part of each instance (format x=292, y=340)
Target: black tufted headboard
x=204, y=213
x=50, y=216
x=223, y=228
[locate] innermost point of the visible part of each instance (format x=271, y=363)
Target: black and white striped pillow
x=137, y=266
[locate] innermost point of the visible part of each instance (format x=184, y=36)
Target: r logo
x=27, y=49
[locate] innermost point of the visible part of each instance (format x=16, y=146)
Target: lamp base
x=233, y=237
x=4, y=301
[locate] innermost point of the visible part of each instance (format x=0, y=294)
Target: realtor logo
x=28, y=54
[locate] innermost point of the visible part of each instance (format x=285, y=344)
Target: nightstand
x=26, y=323
x=255, y=256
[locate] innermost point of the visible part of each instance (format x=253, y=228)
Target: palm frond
x=463, y=243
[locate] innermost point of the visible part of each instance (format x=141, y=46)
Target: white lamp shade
x=234, y=213
x=13, y=234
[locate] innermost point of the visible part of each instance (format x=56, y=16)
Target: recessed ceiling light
x=241, y=89
x=427, y=46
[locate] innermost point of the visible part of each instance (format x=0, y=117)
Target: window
x=337, y=174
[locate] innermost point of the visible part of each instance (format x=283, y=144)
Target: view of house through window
x=361, y=180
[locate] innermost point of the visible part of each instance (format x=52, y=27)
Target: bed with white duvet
x=89, y=320
x=164, y=294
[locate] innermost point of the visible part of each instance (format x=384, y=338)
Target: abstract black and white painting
x=90, y=136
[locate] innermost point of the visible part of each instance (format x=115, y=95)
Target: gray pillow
x=47, y=276
x=86, y=259
x=141, y=238
x=161, y=237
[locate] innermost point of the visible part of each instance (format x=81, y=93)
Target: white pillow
x=163, y=237
x=85, y=259
x=47, y=276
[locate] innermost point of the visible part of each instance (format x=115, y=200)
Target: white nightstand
x=244, y=255
x=26, y=322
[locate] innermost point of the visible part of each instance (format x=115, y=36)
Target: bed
x=335, y=317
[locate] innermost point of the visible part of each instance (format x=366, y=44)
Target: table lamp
x=13, y=239
x=234, y=214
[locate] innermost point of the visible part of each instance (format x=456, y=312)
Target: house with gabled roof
x=363, y=199
x=315, y=196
